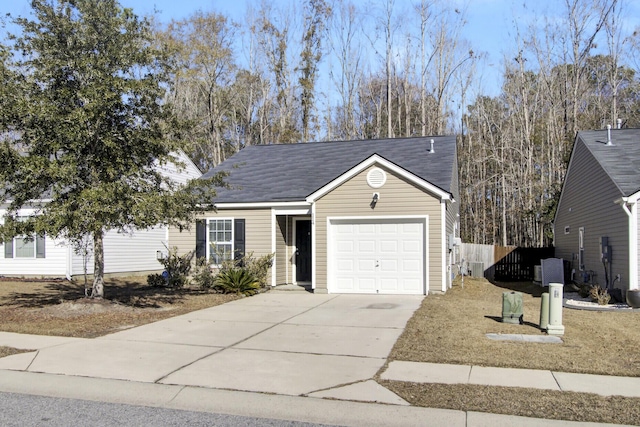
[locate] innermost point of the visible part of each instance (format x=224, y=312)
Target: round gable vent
x=376, y=178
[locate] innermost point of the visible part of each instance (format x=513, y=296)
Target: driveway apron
x=290, y=343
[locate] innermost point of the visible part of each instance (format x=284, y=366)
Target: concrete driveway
x=287, y=343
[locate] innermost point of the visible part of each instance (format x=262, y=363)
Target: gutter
x=630, y=207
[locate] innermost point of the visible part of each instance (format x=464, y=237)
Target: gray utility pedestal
x=512, y=309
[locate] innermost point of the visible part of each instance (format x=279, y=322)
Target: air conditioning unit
x=537, y=273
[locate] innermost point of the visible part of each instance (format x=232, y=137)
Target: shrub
x=177, y=267
x=238, y=281
x=599, y=295
x=259, y=268
x=156, y=280
x=203, y=276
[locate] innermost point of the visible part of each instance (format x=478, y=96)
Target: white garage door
x=378, y=256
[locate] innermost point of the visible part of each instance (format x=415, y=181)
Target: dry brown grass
x=58, y=307
x=451, y=328
x=526, y=402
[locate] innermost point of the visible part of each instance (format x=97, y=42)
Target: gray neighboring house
x=368, y=216
x=598, y=209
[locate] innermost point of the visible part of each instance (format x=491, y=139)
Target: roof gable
x=293, y=172
x=621, y=160
x=377, y=160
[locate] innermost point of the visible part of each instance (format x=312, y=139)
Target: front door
x=303, y=250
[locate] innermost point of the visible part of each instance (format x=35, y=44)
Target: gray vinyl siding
x=397, y=198
x=257, y=231
x=587, y=201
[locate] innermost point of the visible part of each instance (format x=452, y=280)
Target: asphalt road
x=26, y=410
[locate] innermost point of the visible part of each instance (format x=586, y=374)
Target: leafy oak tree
x=86, y=127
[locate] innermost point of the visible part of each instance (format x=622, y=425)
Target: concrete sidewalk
x=508, y=377
x=275, y=355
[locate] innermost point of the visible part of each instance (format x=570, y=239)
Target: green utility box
x=512, y=310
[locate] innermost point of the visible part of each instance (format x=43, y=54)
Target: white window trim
x=209, y=243
x=581, y=266
x=15, y=250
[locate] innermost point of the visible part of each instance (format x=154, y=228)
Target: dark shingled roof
x=291, y=172
x=621, y=161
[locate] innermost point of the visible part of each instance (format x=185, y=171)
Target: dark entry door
x=303, y=251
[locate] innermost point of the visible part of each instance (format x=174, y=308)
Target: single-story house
x=368, y=216
x=596, y=222
x=133, y=253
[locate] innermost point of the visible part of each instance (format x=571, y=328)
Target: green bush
x=259, y=268
x=238, y=281
x=203, y=276
x=156, y=280
x=177, y=267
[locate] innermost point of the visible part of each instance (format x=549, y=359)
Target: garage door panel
x=388, y=246
x=366, y=229
x=344, y=247
x=387, y=257
x=412, y=228
x=412, y=246
x=367, y=285
x=388, y=229
x=366, y=246
x=387, y=266
x=366, y=266
x=345, y=284
x=345, y=265
x=412, y=286
x=389, y=285
x=412, y=265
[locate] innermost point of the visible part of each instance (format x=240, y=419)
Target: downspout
x=630, y=208
x=314, y=239
x=69, y=268
x=274, y=266
x=444, y=249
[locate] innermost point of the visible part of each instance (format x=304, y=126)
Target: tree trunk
x=98, y=265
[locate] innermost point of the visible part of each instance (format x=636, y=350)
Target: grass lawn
x=451, y=328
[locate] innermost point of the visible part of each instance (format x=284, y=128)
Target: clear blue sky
x=490, y=25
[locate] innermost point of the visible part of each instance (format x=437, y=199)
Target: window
x=581, y=248
x=220, y=240
x=567, y=229
x=23, y=247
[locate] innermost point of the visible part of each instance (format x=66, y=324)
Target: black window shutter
x=40, y=246
x=238, y=239
x=201, y=238
x=8, y=248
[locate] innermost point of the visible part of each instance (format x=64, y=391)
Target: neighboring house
x=596, y=223
x=136, y=252
x=372, y=216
